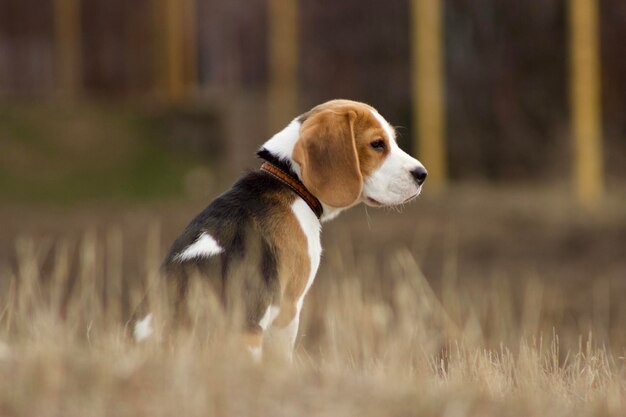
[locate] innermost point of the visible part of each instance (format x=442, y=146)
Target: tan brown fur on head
x=328, y=158
x=334, y=151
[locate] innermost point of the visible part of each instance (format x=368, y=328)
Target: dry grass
x=377, y=338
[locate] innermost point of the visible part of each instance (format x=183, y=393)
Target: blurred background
x=118, y=115
x=157, y=88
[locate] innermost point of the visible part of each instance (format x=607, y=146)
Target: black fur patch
x=302, y=118
x=236, y=220
x=281, y=163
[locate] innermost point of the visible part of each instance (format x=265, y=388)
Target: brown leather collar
x=296, y=185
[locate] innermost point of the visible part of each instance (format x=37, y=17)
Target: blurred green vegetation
x=54, y=153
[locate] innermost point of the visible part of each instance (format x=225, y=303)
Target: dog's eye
x=378, y=145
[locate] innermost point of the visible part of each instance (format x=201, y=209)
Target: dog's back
x=229, y=244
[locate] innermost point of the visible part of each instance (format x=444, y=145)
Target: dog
x=336, y=155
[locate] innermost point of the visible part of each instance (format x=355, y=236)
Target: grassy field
x=476, y=302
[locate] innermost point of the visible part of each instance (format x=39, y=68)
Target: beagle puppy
x=258, y=244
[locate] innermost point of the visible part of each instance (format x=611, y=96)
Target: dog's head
x=345, y=152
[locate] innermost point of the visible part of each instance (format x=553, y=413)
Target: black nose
x=420, y=175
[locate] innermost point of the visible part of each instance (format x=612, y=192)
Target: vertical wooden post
x=427, y=89
x=157, y=53
x=175, y=48
x=191, y=45
x=283, y=61
x=173, y=37
x=67, y=31
x=586, y=123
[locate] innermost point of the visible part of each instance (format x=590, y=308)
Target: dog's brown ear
x=326, y=153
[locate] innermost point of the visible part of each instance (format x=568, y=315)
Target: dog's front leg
x=281, y=336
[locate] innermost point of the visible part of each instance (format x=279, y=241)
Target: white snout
x=392, y=183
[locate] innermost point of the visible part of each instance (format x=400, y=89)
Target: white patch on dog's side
x=311, y=227
x=204, y=246
x=143, y=329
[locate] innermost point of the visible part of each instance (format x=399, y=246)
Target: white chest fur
x=311, y=227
